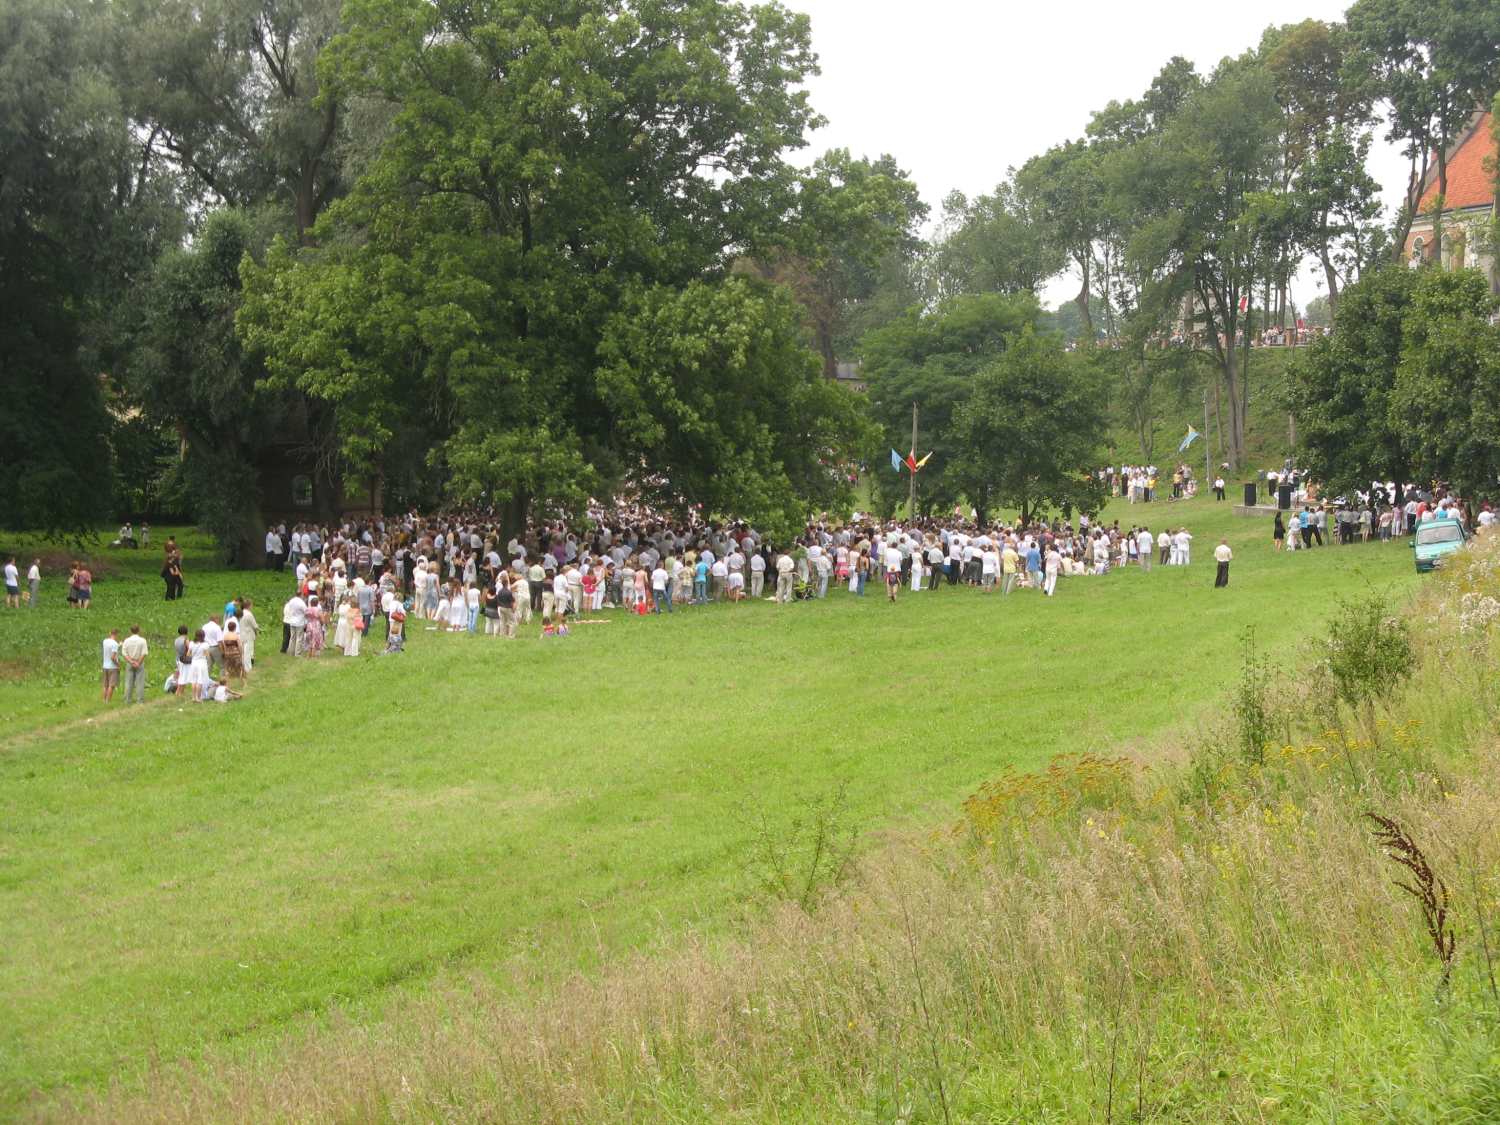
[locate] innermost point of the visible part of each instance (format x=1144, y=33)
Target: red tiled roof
x=1470, y=183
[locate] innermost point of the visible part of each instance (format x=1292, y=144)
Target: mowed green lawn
x=182, y=877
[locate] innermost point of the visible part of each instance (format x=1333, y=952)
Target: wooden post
x=1207, y=480
x=911, y=496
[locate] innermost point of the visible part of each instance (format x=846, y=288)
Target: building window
x=302, y=492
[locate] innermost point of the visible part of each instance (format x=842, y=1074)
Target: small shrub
x=1368, y=650
x=1253, y=715
x=812, y=853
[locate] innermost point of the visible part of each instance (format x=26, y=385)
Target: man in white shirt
x=134, y=652
x=1144, y=543
x=1222, y=555
x=785, y=566
x=757, y=574
x=273, y=549
x=213, y=633
x=661, y=592
x=12, y=584
x=34, y=581
x=293, y=624
x=1182, y=543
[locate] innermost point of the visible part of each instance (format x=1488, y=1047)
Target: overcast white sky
x=961, y=90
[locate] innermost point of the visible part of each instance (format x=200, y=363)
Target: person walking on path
x=134, y=651
x=1222, y=555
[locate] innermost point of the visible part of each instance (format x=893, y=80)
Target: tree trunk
x=1416, y=177
x=1082, y=301
x=1331, y=277
x=1440, y=202
x=513, y=516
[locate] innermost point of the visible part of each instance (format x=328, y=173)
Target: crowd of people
x=455, y=574
x=1371, y=515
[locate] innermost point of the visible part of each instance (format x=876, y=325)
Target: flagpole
x=1206, y=478
x=911, y=496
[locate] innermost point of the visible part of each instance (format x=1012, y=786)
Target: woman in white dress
x=198, y=670
x=458, y=609
x=341, y=631
x=350, y=614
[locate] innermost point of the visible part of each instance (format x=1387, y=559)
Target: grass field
x=178, y=880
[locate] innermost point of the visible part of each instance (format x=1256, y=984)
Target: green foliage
x=931, y=358
x=76, y=218
x=1340, y=389
x=1030, y=432
x=847, y=249
x=1252, y=709
x=188, y=370
x=1368, y=649
x=996, y=243
x=1431, y=64
x=809, y=855
x=1447, y=389
x=712, y=390
x=228, y=93
x=546, y=167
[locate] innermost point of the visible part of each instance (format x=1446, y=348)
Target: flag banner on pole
x=911, y=460
x=923, y=461
x=896, y=460
x=1192, y=435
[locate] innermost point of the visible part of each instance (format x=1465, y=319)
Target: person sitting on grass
x=221, y=692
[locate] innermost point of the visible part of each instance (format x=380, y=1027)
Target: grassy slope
x=1265, y=426
x=182, y=877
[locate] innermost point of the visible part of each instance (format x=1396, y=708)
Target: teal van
x=1435, y=540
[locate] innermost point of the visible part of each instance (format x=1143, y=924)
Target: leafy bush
x=1368, y=650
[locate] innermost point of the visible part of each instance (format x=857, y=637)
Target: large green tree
x=931, y=358
x=995, y=243
x=712, y=389
x=1195, y=188
x=228, y=91
x=1434, y=62
x=1447, y=389
x=853, y=222
x=80, y=216
x=188, y=371
x=547, y=162
x=1341, y=388
x=1031, y=432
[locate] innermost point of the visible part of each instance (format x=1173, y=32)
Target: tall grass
x=1104, y=941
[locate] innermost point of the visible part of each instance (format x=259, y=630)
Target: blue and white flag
x=1192, y=435
x=896, y=462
